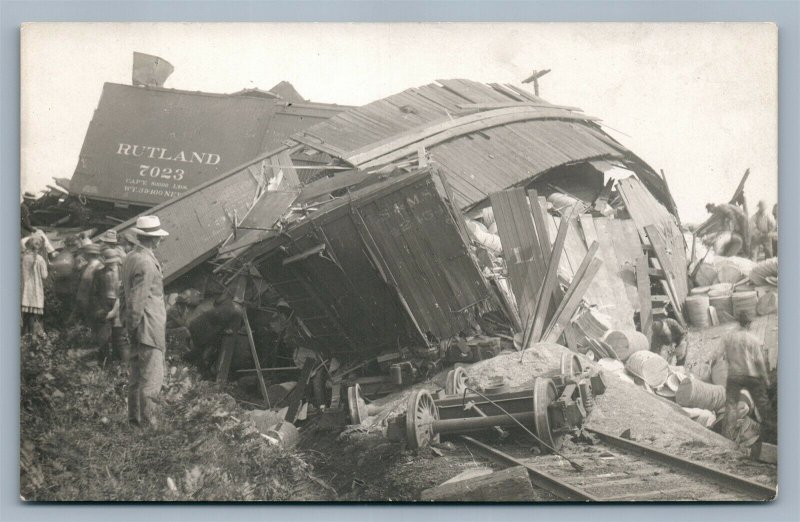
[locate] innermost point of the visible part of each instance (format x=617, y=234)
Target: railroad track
x=620, y=470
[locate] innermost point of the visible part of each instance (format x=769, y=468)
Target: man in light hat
x=763, y=225
x=25, y=213
x=108, y=240
x=106, y=285
x=144, y=315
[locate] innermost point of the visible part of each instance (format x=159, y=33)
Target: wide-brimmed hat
x=149, y=226
x=109, y=236
x=111, y=256
x=29, y=195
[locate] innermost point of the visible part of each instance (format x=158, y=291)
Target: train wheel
x=420, y=415
x=571, y=365
x=356, y=405
x=544, y=393
x=456, y=381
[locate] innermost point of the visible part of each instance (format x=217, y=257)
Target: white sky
x=697, y=100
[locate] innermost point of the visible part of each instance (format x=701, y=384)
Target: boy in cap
x=111, y=240
x=105, y=288
x=144, y=315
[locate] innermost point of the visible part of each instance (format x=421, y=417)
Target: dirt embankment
x=76, y=443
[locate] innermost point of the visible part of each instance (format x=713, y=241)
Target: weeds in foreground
x=76, y=443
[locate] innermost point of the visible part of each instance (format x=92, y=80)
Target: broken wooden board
x=508, y=485
x=628, y=250
x=295, y=399
x=645, y=304
x=574, y=295
x=645, y=210
x=664, y=259
x=550, y=282
x=608, y=286
x=521, y=250
x=642, y=206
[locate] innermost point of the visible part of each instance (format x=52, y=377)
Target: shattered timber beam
x=580, y=282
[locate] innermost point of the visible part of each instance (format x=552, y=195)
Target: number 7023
x=162, y=173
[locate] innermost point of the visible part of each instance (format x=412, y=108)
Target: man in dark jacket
x=144, y=315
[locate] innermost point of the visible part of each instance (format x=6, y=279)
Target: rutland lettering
x=139, y=151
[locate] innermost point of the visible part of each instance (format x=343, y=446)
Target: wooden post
x=261, y=384
x=551, y=277
x=645, y=303
x=225, y=355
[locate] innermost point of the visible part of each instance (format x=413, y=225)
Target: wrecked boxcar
x=147, y=145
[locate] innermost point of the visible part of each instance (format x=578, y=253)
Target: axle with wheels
x=550, y=408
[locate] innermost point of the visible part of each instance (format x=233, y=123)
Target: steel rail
x=538, y=477
x=759, y=491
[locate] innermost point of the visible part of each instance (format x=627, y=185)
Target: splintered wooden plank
x=520, y=247
x=572, y=299
x=642, y=206
x=608, y=288
x=550, y=282
x=628, y=249
x=295, y=398
x=539, y=220
x=660, y=247
x=645, y=304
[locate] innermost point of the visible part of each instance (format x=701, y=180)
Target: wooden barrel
x=649, y=367
x=722, y=303
x=626, y=342
x=706, y=275
x=745, y=302
x=697, y=310
x=593, y=324
x=720, y=289
x=694, y=393
x=767, y=303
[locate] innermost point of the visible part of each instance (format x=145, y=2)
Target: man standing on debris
x=144, y=315
x=734, y=222
x=747, y=369
x=762, y=225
